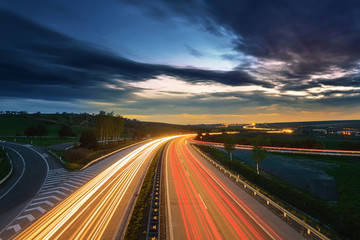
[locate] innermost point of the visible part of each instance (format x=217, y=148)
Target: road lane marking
x=55, y=191
x=15, y=227
x=69, y=185
x=40, y=209
x=21, y=175
x=202, y=201
x=75, y=183
x=41, y=202
x=52, y=196
x=28, y=216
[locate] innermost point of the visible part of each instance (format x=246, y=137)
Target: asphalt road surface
x=30, y=171
x=202, y=203
x=100, y=209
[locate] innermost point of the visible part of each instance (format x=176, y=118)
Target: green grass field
x=347, y=179
x=39, y=141
x=4, y=164
x=11, y=125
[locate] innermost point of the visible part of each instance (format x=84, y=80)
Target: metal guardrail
x=153, y=229
x=285, y=212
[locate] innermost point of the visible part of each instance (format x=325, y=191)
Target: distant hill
x=325, y=124
x=335, y=124
x=15, y=123
x=12, y=125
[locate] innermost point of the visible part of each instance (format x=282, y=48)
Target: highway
x=202, y=203
x=101, y=208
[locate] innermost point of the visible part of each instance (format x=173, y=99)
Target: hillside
x=15, y=123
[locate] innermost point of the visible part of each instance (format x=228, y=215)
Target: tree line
x=108, y=127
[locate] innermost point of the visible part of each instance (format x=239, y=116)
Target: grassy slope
x=347, y=179
x=4, y=164
x=92, y=154
x=10, y=125
x=39, y=141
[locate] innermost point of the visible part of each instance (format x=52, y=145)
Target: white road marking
x=55, y=191
x=52, y=196
x=40, y=209
x=28, y=216
x=202, y=201
x=41, y=202
x=21, y=175
x=76, y=183
x=69, y=185
x=15, y=227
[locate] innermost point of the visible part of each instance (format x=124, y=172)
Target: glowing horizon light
x=288, y=130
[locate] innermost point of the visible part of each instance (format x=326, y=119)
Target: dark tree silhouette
x=41, y=130
x=66, y=131
x=258, y=152
x=229, y=144
x=30, y=131
x=88, y=140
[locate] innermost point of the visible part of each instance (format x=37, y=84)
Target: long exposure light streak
x=209, y=210
x=88, y=212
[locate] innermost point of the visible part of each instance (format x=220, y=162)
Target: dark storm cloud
x=310, y=36
x=350, y=81
x=36, y=60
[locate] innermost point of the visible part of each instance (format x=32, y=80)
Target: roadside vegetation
x=15, y=123
x=5, y=166
x=40, y=141
x=77, y=157
x=138, y=222
x=342, y=216
x=346, y=174
x=295, y=140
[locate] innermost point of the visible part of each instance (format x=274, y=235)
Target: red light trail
x=209, y=209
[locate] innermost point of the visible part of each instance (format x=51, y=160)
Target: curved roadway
x=30, y=171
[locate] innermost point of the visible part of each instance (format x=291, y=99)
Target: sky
x=183, y=61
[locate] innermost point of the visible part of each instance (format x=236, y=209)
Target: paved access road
x=100, y=209
x=202, y=203
x=30, y=171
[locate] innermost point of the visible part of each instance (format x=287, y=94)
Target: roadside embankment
x=6, y=167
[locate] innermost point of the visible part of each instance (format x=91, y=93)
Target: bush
x=88, y=140
x=66, y=131
x=77, y=155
